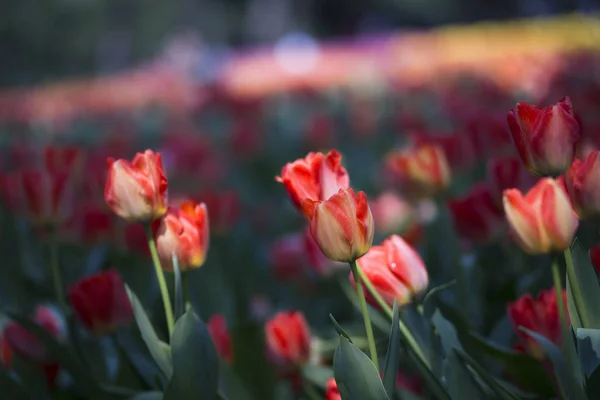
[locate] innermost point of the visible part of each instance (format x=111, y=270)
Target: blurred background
x=42, y=41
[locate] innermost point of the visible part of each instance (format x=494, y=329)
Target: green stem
x=365, y=313
x=410, y=340
x=577, y=294
x=162, y=283
x=56, y=273
x=559, y=299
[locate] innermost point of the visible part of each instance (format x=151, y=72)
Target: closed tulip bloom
x=396, y=271
x=393, y=214
x=315, y=177
x=26, y=344
x=288, y=339
x=539, y=315
x=421, y=172
x=342, y=226
x=137, y=190
x=543, y=220
x=545, y=137
x=477, y=216
x=583, y=184
x=507, y=172
x=331, y=390
x=217, y=326
x=184, y=232
x=101, y=302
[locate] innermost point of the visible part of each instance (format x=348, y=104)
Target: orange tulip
x=137, y=190
x=342, y=226
x=542, y=220
x=421, y=172
x=184, y=232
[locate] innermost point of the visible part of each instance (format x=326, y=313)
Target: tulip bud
x=342, y=226
x=392, y=214
x=545, y=137
x=421, y=172
x=396, y=271
x=476, y=216
x=583, y=184
x=101, y=302
x=539, y=315
x=507, y=172
x=184, y=232
x=315, y=177
x=543, y=220
x=26, y=344
x=137, y=190
x=331, y=390
x=217, y=326
x=288, y=339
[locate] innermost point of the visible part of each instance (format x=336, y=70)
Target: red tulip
x=331, y=390
x=476, y=215
x=63, y=159
x=396, y=271
x=583, y=184
x=101, y=302
x=217, y=326
x=50, y=370
x=223, y=209
x=137, y=190
x=184, y=232
x=91, y=224
x=539, y=315
x=545, y=137
x=342, y=226
x=507, y=172
x=542, y=220
x=288, y=339
x=421, y=172
x=595, y=257
x=316, y=177
x=392, y=214
x=26, y=344
x=45, y=197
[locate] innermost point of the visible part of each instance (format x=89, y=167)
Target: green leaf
x=519, y=364
x=178, y=290
x=30, y=375
x=11, y=388
x=430, y=297
x=231, y=385
x=432, y=381
x=355, y=374
x=489, y=380
x=148, y=396
x=569, y=387
x=588, y=346
x=393, y=354
x=461, y=383
x=339, y=328
x=141, y=364
x=317, y=374
x=583, y=285
x=592, y=386
x=195, y=361
x=447, y=333
x=159, y=350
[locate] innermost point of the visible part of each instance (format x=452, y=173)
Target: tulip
x=137, y=191
x=595, y=257
x=507, y=172
x=396, y=271
x=421, y=172
x=316, y=177
x=223, y=209
x=49, y=370
x=539, y=315
x=101, y=302
x=46, y=198
x=288, y=339
x=583, y=184
x=392, y=214
x=545, y=137
x=91, y=224
x=184, y=232
x=217, y=326
x=543, y=220
x=476, y=215
x=331, y=390
x=342, y=226
x=26, y=344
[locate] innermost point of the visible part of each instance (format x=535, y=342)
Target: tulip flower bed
x=437, y=242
